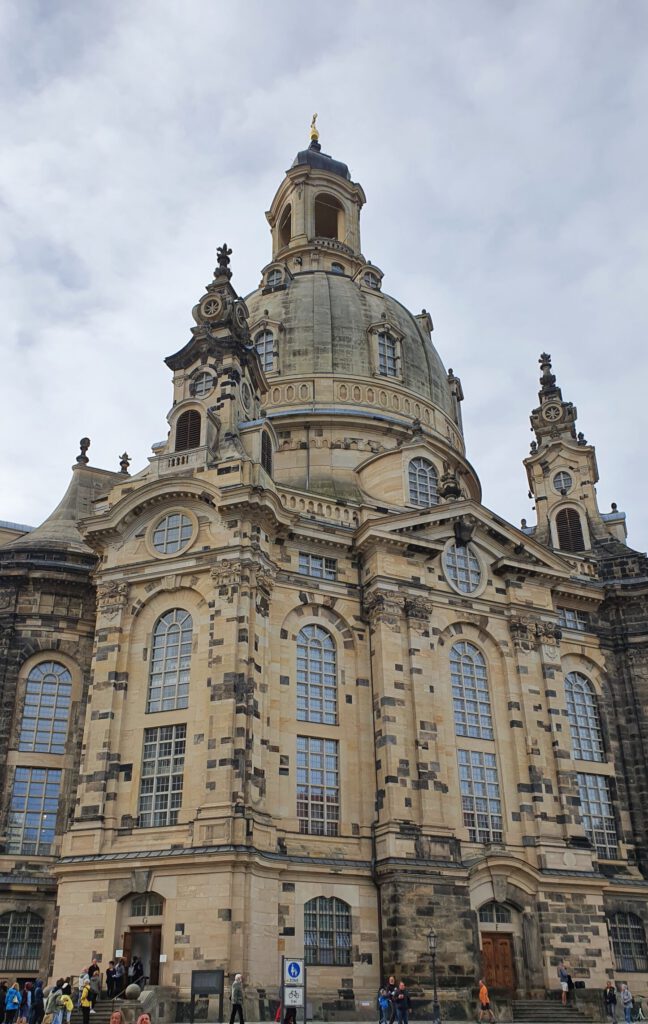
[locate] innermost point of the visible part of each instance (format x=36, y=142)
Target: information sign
x=294, y=973
x=293, y=996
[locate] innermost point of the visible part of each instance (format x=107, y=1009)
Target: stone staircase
x=103, y=1009
x=547, y=1011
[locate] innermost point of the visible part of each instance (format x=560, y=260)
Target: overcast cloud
x=502, y=147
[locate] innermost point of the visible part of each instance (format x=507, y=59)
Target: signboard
x=293, y=996
x=294, y=973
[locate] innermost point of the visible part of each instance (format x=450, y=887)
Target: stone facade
x=322, y=698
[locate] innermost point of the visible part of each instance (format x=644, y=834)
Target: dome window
x=188, y=430
x=329, y=217
x=264, y=345
x=570, y=530
x=371, y=280
x=274, y=279
x=266, y=452
x=423, y=483
x=337, y=268
x=387, y=355
x=285, y=227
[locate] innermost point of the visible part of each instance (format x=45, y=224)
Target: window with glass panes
x=584, y=721
x=31, y=824
x=318, y=786
x=573, y=618
x=274, y=278
x=470, y=697
x=147, y=904
x=480, y=796
x=387, y=354
x=44, y=723
x=597, y=813
x=628, y=942
x=172, y=533
x=316, y=676
x=327, y=932
x=163, y=761
x=318, y=566
x=170, y=662
x=202, y=384
x=494, y=913
x=423, y=483
x=21, y=938
x=264, y=345
x=462, y=567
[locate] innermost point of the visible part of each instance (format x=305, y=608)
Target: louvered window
x=570, y=530
x=266, y=453
x=188, y=430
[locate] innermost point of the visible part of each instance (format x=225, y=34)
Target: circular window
x=462, y=568
x=563, y=482
x=202, y=384
x=246, y=395
x=172, y=533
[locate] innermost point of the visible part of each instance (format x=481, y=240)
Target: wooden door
x=497, y=959
x=156, y=943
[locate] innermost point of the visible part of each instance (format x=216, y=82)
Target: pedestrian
x=86, y=998
x=12, y=1003
x=392, y=988
x=563, y=978
x=110, y=979
x=67, y=1007
x=37, y=1011
x=610, y=999
x=626, y=1002
x=94, y=974
x=402, y=1004
x=144, y=1018
x=120, y=976
x=237, y=999
x=384, y=1006
x=136, y=971
x=53, y=1008
x=117, y=1017
x=25, y=1002
x=484, y=1001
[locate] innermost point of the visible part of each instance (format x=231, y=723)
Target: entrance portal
x=145, y=942
x=498, y=965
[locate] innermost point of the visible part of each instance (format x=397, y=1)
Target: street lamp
x=432, y=947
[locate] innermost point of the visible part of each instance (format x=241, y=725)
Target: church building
x=292, y=689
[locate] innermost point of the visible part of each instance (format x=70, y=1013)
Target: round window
x=563, y=482
x=202, y=384
x=172, y=533
x=462, y=568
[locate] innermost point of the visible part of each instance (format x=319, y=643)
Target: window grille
x=574, y=618
x=318, y=793
x=274, y=278
x=495, y=913
x=170, y=661
x=327, y=932
x=163, y=761
x=202, y=384
x=48, y=695
x=147, y=904
x=563, y=481
x=470, y=697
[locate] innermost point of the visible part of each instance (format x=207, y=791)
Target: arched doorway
x=142, y=916
x=499, y=926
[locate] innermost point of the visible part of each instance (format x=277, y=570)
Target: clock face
x=211, y=308
x=552, y=413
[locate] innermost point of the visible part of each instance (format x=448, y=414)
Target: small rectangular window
x=318, y=566
x=573, y=618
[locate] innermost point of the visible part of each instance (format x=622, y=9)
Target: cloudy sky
x=502, y=147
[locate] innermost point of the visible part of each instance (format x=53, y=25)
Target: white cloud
x=501, y=149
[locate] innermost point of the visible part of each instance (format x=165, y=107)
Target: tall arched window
x=316, y=676
x=423, y=483
x=584, y=721
x=266, y=453
x=387, y=355
x=570, y=530
x=170, y=662
x=48, y=693
x=21, y=938
x=188, y=430
x=327, y=932
x=628, y=942
x=264, y=345
x=470, y=698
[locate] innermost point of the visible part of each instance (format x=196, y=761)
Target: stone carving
x=384, y=606
x=111, y=599
x=528, y=634
x=418, y=610
x=232, y=573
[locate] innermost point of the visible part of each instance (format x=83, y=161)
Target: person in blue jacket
x=12, y=1003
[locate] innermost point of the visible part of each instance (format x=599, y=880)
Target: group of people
x=624, y=997
x=394, y=1002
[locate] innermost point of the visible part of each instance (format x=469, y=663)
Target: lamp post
x=432, y=946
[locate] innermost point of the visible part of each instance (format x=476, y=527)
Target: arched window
x=470, y=698
x=337, y=268
x=188, y=430
x=264, y=345
x=371, y=280
x=170, y=662
x=266, y=453
x=285, y=226
x=584, y=721
x=423, y=483
x=147, y=904
x=327, y=932
x=329, y=217
x=316, y=676
x=21, y=938
x=274, y=278
x=628, y=942
x=570, y=530
x=387, y=354
x=494, y=913
x=48, y=693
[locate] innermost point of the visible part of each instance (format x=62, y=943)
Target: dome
x=313, y=157
x=326, y=323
